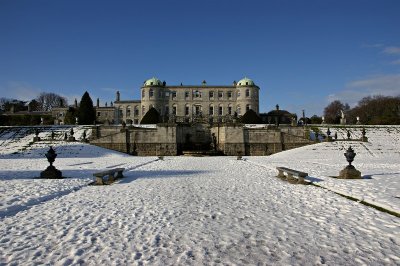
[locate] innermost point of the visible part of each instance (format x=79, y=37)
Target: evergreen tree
x=151, y=117
x=86, y=113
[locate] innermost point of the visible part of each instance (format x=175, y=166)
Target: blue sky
x=302, y=54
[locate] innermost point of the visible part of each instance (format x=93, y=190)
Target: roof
x=152, y=82
x=245, y=82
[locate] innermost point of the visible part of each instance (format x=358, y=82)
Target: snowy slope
x=378, y=160
x=195, y=211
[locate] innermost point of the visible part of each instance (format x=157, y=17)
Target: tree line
x=45, y=102
x=371, y=110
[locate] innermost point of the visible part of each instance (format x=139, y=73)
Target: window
x=98, y=113
x=229, y=94
x=151, y=93
x=174, y=109
x=173, y=94
x=197, y=94
x=143, y=110
x=211, y=111
x=247, y=93
x=166, y=110
x=220, y=110
x=186, y=110
x=136, y=121
x=248, y=107
x=120, y=112
x=238, y=110
x=128, y=111
x=136, y=110
x=167, y=94
x=198, y=109
x=160, y=94
x=211, y=94
x=247, y=83
x=238, y=94
x=143, y=94
x=220, y=94
x=230, y=110
x=186, y=94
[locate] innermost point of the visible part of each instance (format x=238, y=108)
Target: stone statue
x=214, y=139
x=343, y=118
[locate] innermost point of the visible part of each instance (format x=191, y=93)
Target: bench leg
x=301, y=180
x=290, y=177
x=110, y=177
x=119, y=174
x=281, y=174
x=99, y=180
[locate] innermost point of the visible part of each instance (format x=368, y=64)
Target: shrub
x=151, y=117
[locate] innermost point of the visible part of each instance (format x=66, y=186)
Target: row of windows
x=128, y=111
x=196, y=94
x=198, y=110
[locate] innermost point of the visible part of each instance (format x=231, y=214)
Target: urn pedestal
x=51, y=173
x=350, y=172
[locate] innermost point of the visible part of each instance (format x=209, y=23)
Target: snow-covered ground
x=208, y=210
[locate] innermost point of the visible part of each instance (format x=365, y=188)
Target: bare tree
x=378, y=110
x=332, y=111
x=48, y=100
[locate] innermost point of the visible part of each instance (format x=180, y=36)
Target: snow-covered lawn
x=209, y=210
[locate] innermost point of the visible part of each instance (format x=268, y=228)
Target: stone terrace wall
x=258, y=141
x=172, y=140
x=150, y=141
x=138, y=141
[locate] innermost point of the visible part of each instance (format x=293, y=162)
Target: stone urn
x=328, y=134
x=51, y=172
x=36, y=137
x=364, y=137
x=71, y=135
x=350, y=172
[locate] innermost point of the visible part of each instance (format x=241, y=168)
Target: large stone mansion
x=179, y=101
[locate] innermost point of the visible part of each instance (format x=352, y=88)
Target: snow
x=200, y=210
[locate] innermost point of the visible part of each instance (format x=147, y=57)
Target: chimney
x=76, y=103
x=98, y=103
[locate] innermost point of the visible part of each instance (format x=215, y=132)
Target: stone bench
x=111, y=175
x=290, y=173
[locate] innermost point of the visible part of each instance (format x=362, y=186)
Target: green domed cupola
x=153, y=82
x=245, y=82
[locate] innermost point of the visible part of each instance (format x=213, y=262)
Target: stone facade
x=189, y=101
x=104, y=114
